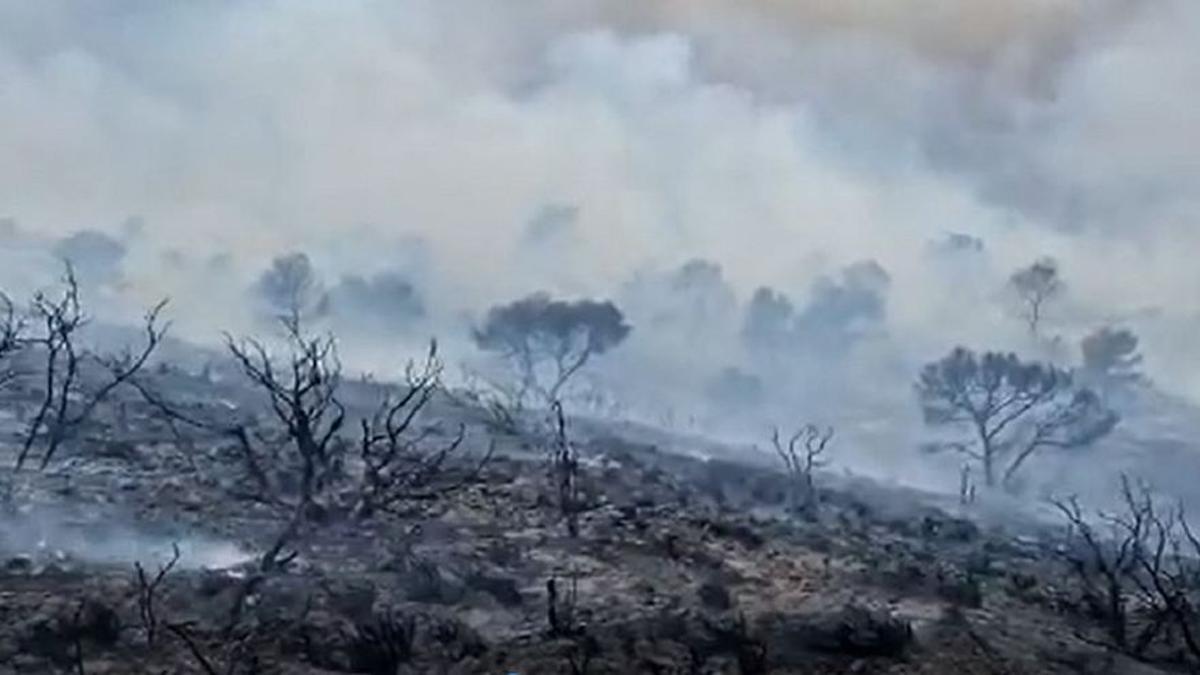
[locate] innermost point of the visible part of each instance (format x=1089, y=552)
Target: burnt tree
x=1012, y=409
x=803, y=453
x=397, y=463
x=301, y=390
x=1103, y=559
x=300, y=462
x=70, y=393
x=147, y=593
x=1139, y=572
x=12, y=329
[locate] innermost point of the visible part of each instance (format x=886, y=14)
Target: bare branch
x=564, y=464
x=12, y=329
x=397, y=464
x=1143, y=579
x=147, y=591
x=1013, y=409
x=803, y=453
x=181, y=632
x=67, y=404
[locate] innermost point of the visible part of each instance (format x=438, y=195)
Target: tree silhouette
x=1013, y=409
x=1036, y=285
x=547, y=341
x=1110, y=355
x=290, y=289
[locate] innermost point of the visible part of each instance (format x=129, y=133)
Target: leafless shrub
x=12, y=333
x=302, y=464
x=67, y=401
x=1140, y=574
x=503, y=405
x=147, y=590
x=93, y=621
x=302, y=394
x=802, y=453
x=396, y=464
x=1104, y=566
x=236, y=655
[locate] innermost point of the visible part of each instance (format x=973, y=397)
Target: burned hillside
x=596, y=336
x=269, y=514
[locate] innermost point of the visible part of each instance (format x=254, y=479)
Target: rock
x=853, y=631
x=961, y=589
x=210, y=583
x=54, y=569
x=28, y=663
x=99, y=622
x=352, y=598
x=19, y=564
x=714, y=595
x=947, y=528
x=503, y=588
x=324, y=639
x=427, y=582
x=454, y=639
x=118, y=449
x=739, y=532
x=57, y=626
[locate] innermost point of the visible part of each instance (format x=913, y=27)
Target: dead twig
x=147, y=591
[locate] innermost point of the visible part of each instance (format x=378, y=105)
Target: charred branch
x=803, y=453
x=1013, y=409
x=12, y=332
x=67, y=402
x=398, y=464
x=564, y=471
x=147, y=591
x=1140, y=577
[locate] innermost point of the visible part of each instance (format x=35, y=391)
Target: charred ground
x=675, y=562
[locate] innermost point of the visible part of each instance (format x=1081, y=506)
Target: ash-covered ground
x=682, y=558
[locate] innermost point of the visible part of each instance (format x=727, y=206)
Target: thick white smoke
x=783, y=140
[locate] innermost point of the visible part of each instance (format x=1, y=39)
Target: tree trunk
x=989, y=467
x=270, y=559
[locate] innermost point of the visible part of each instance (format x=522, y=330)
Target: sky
x=492, y=149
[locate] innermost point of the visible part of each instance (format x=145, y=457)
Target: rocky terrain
x=678, y=559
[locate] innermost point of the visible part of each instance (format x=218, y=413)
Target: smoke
x=575, y=146
x=49, y=535
x=96, y=256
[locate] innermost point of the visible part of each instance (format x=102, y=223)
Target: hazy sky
x=783, y=139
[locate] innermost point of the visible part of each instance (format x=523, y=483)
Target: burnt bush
x=384, y=644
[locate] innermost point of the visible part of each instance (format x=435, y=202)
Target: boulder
x=852, y=631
